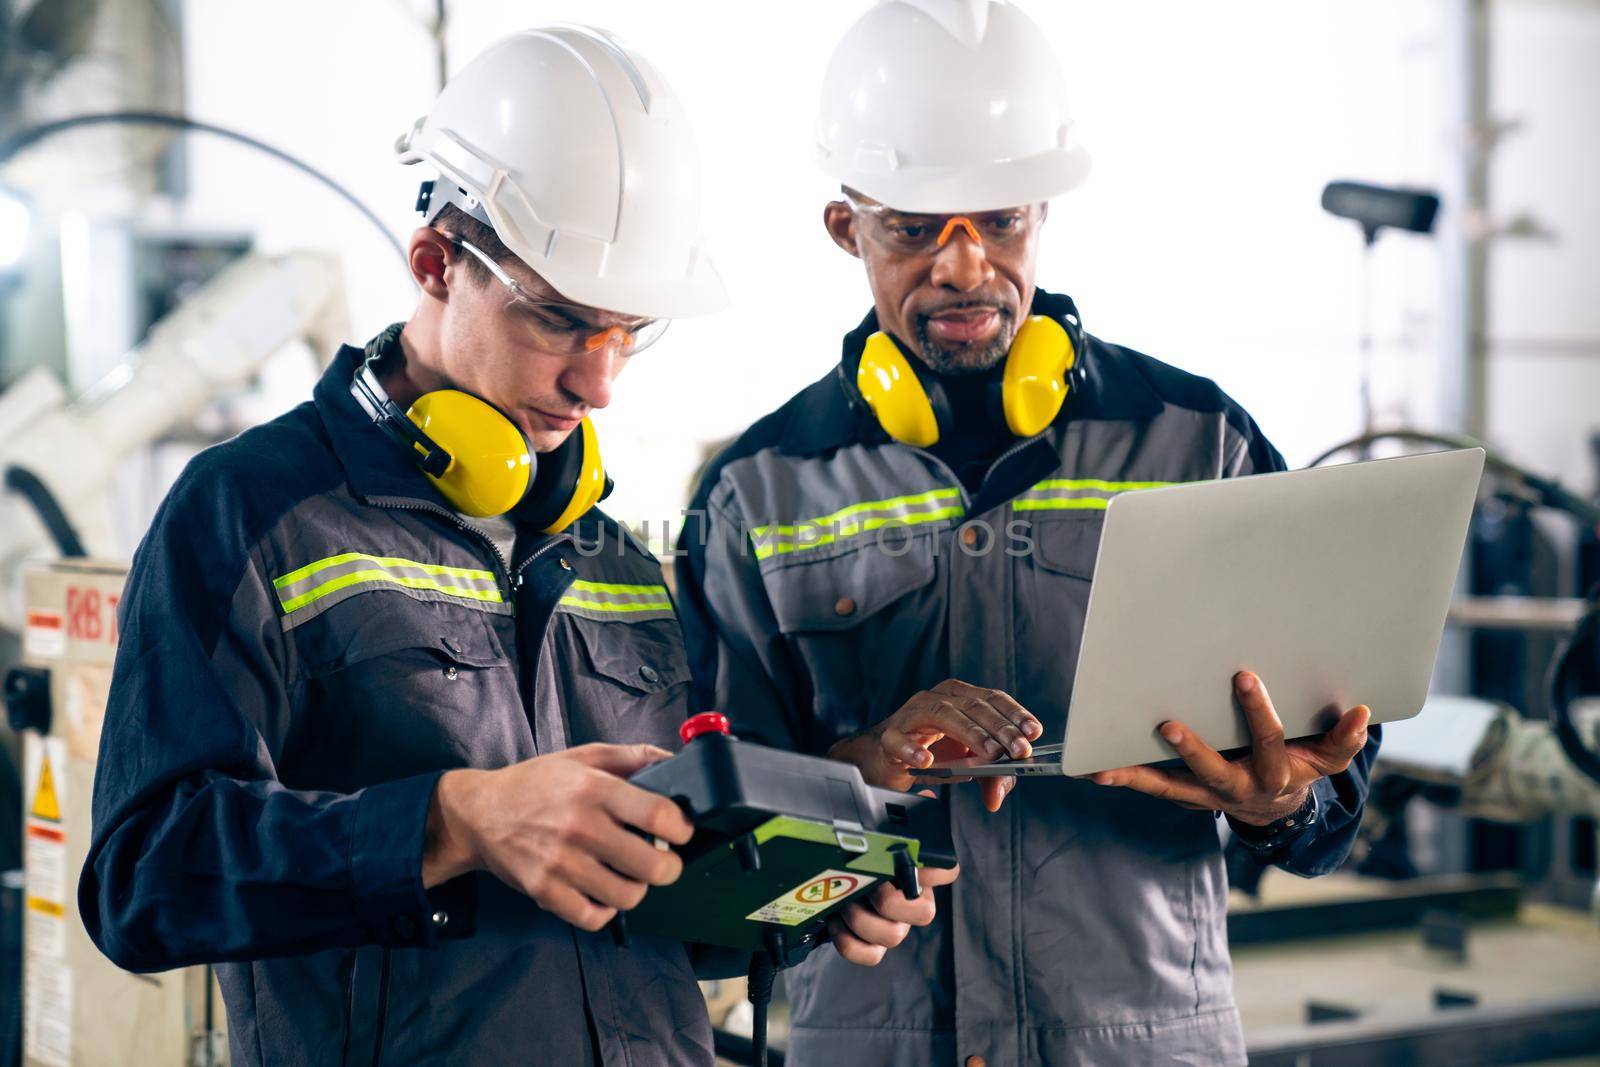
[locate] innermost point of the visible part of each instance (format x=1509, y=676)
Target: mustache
x=963, y=305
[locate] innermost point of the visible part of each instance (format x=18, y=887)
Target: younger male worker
x=381, y=681
x=918, y=531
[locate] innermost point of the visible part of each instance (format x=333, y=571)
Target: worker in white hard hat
x=918, y=531
x=386, y=667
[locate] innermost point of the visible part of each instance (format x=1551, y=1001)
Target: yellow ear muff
x=491, y=464
x=1034, y=385
x=891, y=389
x=591, y=481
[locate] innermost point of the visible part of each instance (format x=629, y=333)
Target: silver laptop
x=1332, y=584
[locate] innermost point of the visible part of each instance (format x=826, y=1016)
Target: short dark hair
x=455, y=221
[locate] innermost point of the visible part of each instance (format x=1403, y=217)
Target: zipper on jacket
x=966, y=497
x=516, y=576
x=399, y=504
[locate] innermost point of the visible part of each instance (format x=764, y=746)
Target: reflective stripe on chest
x=326, y=580
x=857, y=519
x=612, y=601
x=1076, y=494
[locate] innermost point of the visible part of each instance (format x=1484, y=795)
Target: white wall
x=1544, y=306
x=1198, y=239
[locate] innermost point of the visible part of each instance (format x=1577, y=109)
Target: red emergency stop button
x=707, y=722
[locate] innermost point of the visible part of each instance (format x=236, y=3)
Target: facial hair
x=965, y=359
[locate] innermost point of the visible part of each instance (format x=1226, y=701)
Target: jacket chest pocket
x=1053, y=591
x=405, y=690
x=623, y=679
x=866, y=625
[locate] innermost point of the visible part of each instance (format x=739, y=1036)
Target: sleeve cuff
x=386, y=860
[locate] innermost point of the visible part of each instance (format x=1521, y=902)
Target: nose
x=588, y=377
x=961, y=263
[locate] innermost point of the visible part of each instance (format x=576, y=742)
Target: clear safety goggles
x=915, y=234
x=561, y=328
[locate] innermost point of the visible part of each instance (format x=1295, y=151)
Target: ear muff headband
x=1035, y=382
x=392, y=421
x=480, y=461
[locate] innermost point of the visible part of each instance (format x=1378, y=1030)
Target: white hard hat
x=947, y=106
x=574, y=148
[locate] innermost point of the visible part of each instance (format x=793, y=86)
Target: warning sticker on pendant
x=807, y=900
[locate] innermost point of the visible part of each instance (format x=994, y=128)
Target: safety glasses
x=915, y=234
x=562, y=328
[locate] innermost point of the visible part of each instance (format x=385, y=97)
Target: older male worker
x=853, y=559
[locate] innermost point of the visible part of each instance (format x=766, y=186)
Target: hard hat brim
x=947, y=190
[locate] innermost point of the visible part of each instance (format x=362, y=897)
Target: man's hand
x=559, y=828
x=1257, y=789
x=950, y=721
x=864, y=931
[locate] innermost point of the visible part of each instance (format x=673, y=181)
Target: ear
x=430, y=255
x=840, y=221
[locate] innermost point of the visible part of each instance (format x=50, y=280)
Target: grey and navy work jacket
x=830, y=573
x=309, y=638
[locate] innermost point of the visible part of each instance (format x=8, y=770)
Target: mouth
x=964, y=325
x=554, y=421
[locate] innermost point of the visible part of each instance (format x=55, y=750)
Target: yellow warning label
x=45, y=804
x=811, y=898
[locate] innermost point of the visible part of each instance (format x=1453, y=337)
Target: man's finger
x=1333, y=751
x=932, y=876
x=921, y=723
x=851, y=947
x=1206, y=763
x=1162, y=784
x=632, y=856
x=909, y=747
x=603, y=885
x=649, y=812
x=873, y=928
x=571, y=906
x=983, y=711
x=620, y=760
x=1004, y=703
x=995, y=791
x=1269, y=759
x=892, y=904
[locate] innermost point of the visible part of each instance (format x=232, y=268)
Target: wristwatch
x=1265, y=842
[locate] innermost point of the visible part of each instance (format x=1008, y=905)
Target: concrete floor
x=1545, y=953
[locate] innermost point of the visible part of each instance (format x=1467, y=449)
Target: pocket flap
x=840, y=592
x=1069, y=544
x=644, y=656
x=344, y=637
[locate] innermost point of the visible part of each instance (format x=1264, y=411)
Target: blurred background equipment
x=1376, y=208
x=78, y=1007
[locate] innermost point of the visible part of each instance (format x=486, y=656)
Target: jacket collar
x=831, y=413
x=375, y=464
